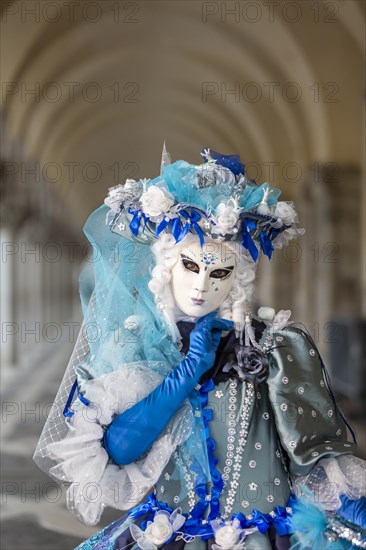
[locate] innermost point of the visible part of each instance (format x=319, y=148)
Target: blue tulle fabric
x=121, y=320
x=122, y=270
x=252, y=196
x=182, y=181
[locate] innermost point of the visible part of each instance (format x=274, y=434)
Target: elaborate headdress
x=125, y=347
x=214, y=199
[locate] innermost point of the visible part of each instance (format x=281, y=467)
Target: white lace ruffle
x=83, y=461
x=332, y=477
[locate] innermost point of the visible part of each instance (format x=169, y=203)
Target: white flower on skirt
x=230, y=536
x=159, y=531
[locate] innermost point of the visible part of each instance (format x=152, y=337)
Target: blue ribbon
x=273, y=232
x=178, y=231
x=266, y=244
x=247, y=241
x=217, y=481
x=137, y=215
x=232, y=162
x=282, y=521
x=261, y=521
x=149, y=505
x=207, y=386
x=200, y=507
x=194, y=527
x=162, y=225
x=67, y=412
x=192, y=219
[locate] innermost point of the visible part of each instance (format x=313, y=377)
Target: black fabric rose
x=251, y=364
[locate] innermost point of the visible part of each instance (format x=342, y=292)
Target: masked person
x=210, y=427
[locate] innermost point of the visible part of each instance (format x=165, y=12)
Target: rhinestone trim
x=238, y=457
x=232, y=430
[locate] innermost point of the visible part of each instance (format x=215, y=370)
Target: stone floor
x=34, y=515
x=33, y=512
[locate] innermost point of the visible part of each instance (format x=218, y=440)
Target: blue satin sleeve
x=354, y=510
x=309, y=423
x=133, y=432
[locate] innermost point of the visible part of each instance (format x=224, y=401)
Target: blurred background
x=90, y=91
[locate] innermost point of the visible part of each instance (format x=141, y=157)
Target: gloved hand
x=133, y=432
x=353, y=510
x=204, y=341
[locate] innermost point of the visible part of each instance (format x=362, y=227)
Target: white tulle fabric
x=82, y=461
x=332, y=477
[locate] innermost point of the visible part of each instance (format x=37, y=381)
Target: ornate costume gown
x=264, y=437
x=258, y=434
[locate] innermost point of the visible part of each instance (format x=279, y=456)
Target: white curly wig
x=166, y=253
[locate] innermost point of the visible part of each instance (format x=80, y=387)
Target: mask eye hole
x=190, y=265
x=221, y=273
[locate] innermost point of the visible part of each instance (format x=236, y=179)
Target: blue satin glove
x=133, y=432
x=353, y=510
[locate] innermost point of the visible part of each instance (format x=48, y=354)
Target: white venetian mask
x=202, y=278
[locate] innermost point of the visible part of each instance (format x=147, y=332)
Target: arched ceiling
x=161, y=55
